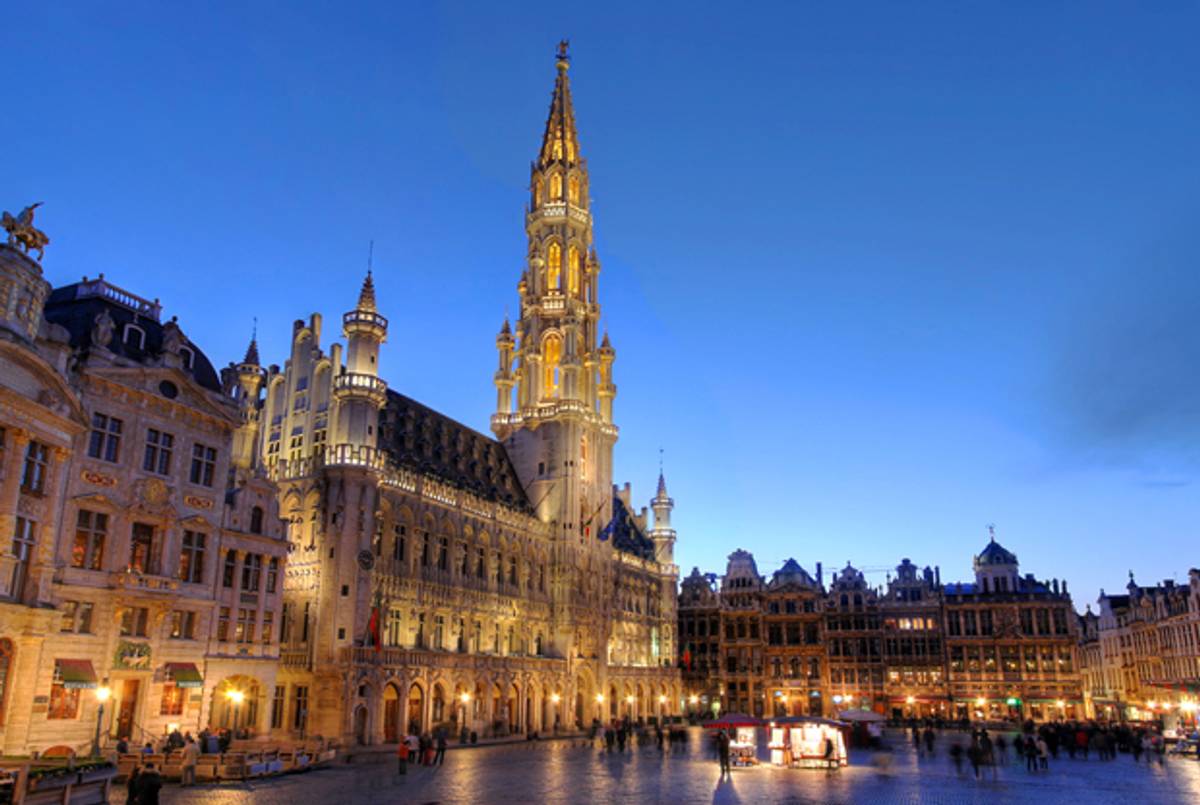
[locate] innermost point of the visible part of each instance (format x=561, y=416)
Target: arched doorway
x=360, y=724
x=391, y=714
x=416, y=709
x=579, y=709
x=439, y=704
x=235, y=703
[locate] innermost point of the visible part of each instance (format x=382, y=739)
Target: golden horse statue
x=22, y=232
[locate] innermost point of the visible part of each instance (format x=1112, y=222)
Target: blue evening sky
x=877, y=274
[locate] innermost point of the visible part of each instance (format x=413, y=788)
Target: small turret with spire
x=359, y=391
x=662, y=533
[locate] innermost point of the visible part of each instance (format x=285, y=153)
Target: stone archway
x=360, y=725
x=392, y=725
x=235, y=703
x=414, y=720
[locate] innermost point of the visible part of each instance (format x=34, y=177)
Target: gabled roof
x=791, y=574
x=421, y=439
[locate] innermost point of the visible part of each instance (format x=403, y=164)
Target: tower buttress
x=249, y=377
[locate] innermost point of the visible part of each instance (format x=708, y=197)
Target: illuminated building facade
x=1002, y=646
x=146, y=562
x=441, y=577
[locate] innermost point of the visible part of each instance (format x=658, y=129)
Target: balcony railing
x=365, y=317
x=353, y=455
x=350, y=382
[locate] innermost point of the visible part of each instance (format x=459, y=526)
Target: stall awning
x=185, y=674
x=76, y=673
x=1180, y=685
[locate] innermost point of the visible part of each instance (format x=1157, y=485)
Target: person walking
x=131, y=786
x=1031, y=754
x=1043, y=751
x=1001, y=749
x=974, y=756
x=191, y=757
x=402, y=757
x=929, y=739
x=723, y=751
x=149, y=784
x=440, y=757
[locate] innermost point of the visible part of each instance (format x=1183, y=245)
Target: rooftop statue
x=22, y=232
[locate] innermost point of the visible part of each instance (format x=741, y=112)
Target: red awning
x=76, y=673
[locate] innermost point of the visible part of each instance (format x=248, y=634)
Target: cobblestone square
x=552, y=772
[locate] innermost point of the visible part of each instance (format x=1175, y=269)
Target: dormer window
x=133, y=336
x=188, y=356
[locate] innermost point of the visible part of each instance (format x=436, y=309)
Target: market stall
x=808, y=742
x=743, y=732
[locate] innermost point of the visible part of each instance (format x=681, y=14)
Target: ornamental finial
x=563, y=55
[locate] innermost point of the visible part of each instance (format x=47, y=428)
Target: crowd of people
x=1036, y=746
x=621, y=733
x=425, y=749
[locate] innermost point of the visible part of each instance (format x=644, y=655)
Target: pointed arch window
x=570, y=150
x=573, y=270
x=551, y=357
x=553, y=266
x=539, y=188
x=573, y=189
x=583, y=457
x=558, y=149
x=556, y=188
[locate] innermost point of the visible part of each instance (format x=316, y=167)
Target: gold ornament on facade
x=22, y=232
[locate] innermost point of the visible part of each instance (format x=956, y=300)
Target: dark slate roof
x=961, y=588
x=421, y=439
x=77, y=315
x=791, y=573
x=627, y=536
x=995, y=554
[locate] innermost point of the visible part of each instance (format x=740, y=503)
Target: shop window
x=173, y=698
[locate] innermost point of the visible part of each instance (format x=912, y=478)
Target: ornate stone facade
x=1142, y=652
x=1002, y=646
x=145, y=560
x=441, y=577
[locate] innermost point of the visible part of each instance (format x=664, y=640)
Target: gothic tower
x=554, y=383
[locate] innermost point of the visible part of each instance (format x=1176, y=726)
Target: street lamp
x=555, y=698
x=236, y=697
x=102, y=694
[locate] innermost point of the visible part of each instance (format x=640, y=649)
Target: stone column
x=42, y=566
x=10, y=490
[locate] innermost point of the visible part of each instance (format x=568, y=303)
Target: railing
x=358, y=381
x=133, y=580
x=410, y=657
x=354, y=455
x=365, y=317
x=102, y=288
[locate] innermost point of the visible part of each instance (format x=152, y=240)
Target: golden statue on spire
x=563, y=46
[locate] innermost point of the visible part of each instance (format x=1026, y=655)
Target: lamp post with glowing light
x=600, y=707
x=554, y=700
x=102, y=694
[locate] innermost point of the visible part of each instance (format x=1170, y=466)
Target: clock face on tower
x=366, y=560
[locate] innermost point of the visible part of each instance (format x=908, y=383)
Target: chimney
x=937, y=574
x=820, y=576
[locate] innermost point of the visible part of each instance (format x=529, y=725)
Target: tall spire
x=366, y=297
x=251, y=358
x=561, y=140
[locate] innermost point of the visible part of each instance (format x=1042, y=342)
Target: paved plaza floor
x=551, y=772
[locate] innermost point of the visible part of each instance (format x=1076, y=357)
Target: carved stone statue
x=22, y=232
x=172, y=338
x=102, y=329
